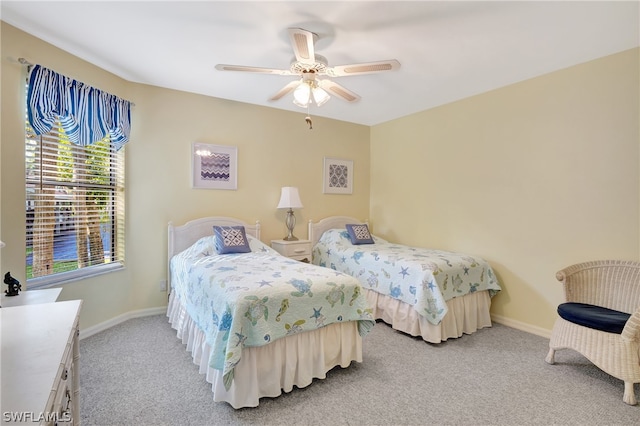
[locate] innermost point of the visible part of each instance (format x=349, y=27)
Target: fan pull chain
x=308, y=119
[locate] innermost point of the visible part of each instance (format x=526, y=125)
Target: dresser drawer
x=63, y=404
x=62, y=409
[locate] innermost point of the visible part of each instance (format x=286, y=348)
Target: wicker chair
x=611, y=284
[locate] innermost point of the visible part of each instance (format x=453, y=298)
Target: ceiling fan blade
x=338, y=90
x=365, y=68
x=285, y=90
x=259, y=70
x=302, y=42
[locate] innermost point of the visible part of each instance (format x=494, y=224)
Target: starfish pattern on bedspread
x=424, y=278
x=251, y=299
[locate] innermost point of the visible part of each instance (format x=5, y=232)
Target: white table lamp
x=290, y=199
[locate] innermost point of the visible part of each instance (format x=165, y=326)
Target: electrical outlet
x=163, y=285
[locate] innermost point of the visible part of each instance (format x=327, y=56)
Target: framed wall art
x=214, y=166
x=338, y=176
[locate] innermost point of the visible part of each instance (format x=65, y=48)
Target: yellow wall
x=533, y=177
x=275, y=149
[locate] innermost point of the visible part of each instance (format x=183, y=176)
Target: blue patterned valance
x=86, y=114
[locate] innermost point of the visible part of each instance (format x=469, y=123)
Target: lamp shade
x=289, y=198
x=1, y=244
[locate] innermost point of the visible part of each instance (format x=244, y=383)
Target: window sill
x=67, y=277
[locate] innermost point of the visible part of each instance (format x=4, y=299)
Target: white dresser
x=30, y=297
x=39, y=371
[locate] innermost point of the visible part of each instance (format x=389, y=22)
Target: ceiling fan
x=309, y=66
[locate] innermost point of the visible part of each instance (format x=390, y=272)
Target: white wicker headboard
x=332, y=222
x=183, y=236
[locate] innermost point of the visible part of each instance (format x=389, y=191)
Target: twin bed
x=257, y=323
x=434, y=294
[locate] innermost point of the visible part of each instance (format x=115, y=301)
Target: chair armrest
x=631, y=330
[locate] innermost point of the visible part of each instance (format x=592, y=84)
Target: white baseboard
x=90, y=331
x=538, y=331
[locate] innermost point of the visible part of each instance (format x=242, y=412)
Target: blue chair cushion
x=595, y=317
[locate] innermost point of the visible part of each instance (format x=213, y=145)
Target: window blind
x=75, y=207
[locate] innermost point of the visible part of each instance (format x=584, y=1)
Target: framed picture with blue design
x=338, y=176
x=214, y=166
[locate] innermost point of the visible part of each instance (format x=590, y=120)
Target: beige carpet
x=139, y=373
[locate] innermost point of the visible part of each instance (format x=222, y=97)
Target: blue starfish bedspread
x=250, y=299
x=421, y=277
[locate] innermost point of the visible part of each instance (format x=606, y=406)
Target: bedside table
x=298, y=250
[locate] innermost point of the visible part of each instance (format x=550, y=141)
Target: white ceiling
x=448, y=50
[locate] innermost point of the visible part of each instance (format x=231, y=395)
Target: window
x=74, y=209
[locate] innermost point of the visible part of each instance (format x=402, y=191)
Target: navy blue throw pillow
x=231, y=239
x=359, y=234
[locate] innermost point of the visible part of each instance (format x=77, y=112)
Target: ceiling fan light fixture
x=320, y=96
x=307, y=92
x=302, y=95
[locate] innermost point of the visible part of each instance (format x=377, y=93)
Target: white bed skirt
x=266, y=371
x=466, y=315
